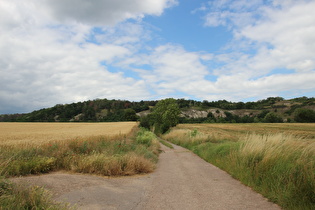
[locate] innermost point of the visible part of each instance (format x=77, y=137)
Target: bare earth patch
x=181, y=181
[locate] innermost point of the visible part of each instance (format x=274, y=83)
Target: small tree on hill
x=130, y=115
x=304, y=115
x=272, y=117
x=165, y=115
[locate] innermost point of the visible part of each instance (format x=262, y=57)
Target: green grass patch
x=165, y=143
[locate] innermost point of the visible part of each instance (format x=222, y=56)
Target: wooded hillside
x=272, y=109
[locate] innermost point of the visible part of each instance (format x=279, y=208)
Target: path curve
x=182, y=180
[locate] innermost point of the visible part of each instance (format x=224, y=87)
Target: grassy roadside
x=165, y=143
x=280, y=166
x=120, y=155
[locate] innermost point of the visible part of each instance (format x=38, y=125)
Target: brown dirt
x=182, y=180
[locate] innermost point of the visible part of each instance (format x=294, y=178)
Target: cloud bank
x=57, y=51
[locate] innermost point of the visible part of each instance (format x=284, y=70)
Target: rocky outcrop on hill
x=193, y=113
x=143, y=113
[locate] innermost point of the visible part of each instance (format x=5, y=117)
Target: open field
x=38, y=133
x=277, y=160
x=100, y=148
x=107, y=149
x=234, y=131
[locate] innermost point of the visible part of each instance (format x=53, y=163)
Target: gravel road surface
x=182, y=180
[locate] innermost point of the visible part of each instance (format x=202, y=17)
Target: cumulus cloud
x=231, y=13
x=57, y=51
x=42, y=74
x=104, y=12
x=274, y=36
x=95, y=13
x=173, y=70
x=52, y=51
x=289, y=33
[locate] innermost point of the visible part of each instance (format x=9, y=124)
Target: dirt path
x=181, y=181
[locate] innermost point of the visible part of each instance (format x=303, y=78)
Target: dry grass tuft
x=138, y=164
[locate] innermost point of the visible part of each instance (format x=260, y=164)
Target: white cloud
x=174, y=70
x=277, y=37
x=43, y=74
x=94, y=13
x=52, y=52
x=241, y=75
x=230, y=13
x=105, y=12
x=290, y=33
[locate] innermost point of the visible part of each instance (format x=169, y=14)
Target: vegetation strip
x=165, y=143
x=280, y=166
x=119, y=155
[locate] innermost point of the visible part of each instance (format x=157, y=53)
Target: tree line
x=105, y=110
x=99, y=110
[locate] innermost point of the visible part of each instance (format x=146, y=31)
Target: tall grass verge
x=279, y=166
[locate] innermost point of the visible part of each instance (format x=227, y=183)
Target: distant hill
x=104, y=110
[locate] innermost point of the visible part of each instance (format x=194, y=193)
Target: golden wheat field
x=38, y=133
x=234, y=131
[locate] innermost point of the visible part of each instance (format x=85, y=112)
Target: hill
x=104, y=110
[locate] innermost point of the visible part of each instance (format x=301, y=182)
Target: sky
x=65, y=51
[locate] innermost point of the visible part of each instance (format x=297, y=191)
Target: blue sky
x=181, y=25
x=64, y=51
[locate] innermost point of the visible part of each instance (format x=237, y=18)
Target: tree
x=304, y=115
x=165, y=115
x=263, y=114
x=130, y=115
x=272, y=117
x=146, y=122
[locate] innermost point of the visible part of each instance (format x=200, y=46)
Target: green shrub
x=145, y=137
x=304, y=115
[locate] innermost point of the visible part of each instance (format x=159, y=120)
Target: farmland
x=100, y=148
x=235, y=131
x=108, y=149
x=276, y=160
x=39, y=133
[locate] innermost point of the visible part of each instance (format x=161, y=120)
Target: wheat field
x=39, y=133
x=235, y=131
